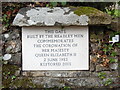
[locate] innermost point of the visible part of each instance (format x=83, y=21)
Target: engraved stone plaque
x=55, y=48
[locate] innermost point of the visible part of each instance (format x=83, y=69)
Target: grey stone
x=1, y=44
x=83, y=82
x=114, y=66
x=107, y=73
x=1, y=57
x=17, y=73
x=101, y=68
x=57, y=73
x=43, y=17
x=16, y=59
x=67, y=73
x=6, y=36
x=57, y=16
x=33, y=73
x=13, y=46
x=4, y=29
x=115, y=25
x=7, y=57
x=92, y=67
x=87, y=82
x=13, y=34
x=114, y=82
x=48, y=82
x=94, y=46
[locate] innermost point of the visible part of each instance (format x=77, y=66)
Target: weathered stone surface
x=4, y=29
x=34, y=74
x=76, y=82
x=56, y=73
x=94, y=46
x=111, y=82
x=17, y=73
x=16, y=59
x=14, y=34
x=115, y=25
x=7, y=57
x=95, y=16
x=92, y=66
x=60, y=16
x=67, y=73
x=114, y=66
x=84, y=82
x=101, y=68
x=67, y=16
x=13, y=46
x=107, y=73
x=49, y=82
x=6, y=36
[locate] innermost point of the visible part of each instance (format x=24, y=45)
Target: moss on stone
x=25, y=82
x=16, y=82
x=8, y=71
x=7, y=68
x=86, y=11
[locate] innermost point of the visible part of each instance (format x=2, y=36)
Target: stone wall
x=103, y=71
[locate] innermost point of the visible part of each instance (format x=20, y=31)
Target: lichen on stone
x=64, y=16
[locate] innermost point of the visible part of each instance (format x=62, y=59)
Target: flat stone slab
x=58, y=16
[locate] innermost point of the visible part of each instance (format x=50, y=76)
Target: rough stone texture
x=17, y=73
x=92, y=66
x=16, y=59
x=34, y=74
x=75, y=79
x=57, y=73
x=59, y=16
x=49, y=82
x=7, y=57
x=101, y=68
x=11, y=44
x=115, y=25
x=114, y=66
x=74, y=82
x=14, y=34
x=107, y=74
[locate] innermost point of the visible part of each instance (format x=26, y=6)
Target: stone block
x=101, y=68
x=33, y=73
x=67, y=73
x=107, y=73
x=17, y=73
x=60, y=16
x=49, y=82
x=114, y=66
x=92, y=67
x=13, y=46
x=16, y=59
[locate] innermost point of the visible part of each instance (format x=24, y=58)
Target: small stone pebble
x=7, y=57
x=6, y=36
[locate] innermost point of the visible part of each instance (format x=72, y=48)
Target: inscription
x=55, y=48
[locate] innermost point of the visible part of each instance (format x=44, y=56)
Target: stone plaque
x=55, y=48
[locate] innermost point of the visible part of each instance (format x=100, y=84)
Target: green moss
x=86, y=11
x=8, y=71
x=12, y=81
x=25, y=82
